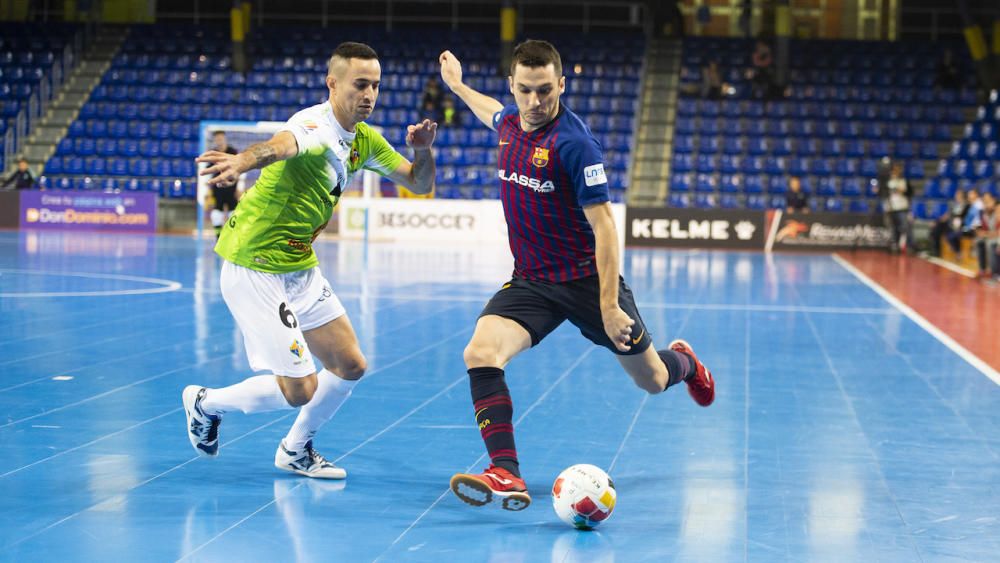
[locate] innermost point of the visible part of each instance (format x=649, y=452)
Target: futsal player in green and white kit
x=271, y=280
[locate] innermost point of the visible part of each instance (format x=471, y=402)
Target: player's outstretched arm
x=482, y=105
x=617, y=323
x=226, y=168
x=418, y=176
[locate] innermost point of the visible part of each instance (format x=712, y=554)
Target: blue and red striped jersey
x=547, y=177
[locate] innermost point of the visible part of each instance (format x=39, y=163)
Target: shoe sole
x=189, y=396
x=465, y=486
x=710, y=377
x=337, y=477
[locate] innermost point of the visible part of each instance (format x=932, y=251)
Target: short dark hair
x=351, y=50
x=214, y=133
x=534, y=53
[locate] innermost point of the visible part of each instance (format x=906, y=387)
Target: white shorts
x=273, y=310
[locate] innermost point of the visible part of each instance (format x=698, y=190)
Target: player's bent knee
x=650, y=383
x=476, y=355
x=298, y=391
x=354, y=368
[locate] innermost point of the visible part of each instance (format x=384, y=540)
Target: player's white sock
x=259, y=393
x=331, y=392
x=218, y=217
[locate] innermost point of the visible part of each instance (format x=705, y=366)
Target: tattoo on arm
x=262, y=155
x=423, y=168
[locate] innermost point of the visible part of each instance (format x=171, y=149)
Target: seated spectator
x=970, y=221
x=949, y=77
x=795, y=200
x=949, y=221
x=986, y=237
x=22, y=178
x=449, y=114
x=711, y=82
x=431, y=103
x=898, y=208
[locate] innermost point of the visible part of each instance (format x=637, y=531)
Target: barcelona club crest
x=541, y=157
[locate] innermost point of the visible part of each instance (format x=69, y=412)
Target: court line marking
x=90, y=443
x=166, y=285
x=933, y=388
x=27, y=537
x=172, y=469
x=147, y=351
x=638, y=411
x=71, y=330
x=537, y=402
x=950, y=266
x=923, y=323
x=187, y=367
x=367, y=441
x=621, y=446
x=849, y=403
x=657, y=305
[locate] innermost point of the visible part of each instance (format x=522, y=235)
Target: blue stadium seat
x=729, y=201
x=681, y=182
x=95, y=166
x=852, y=187
x=704, y=201
x=705, y=183
x=827, y=187
x=859, y=206
x=680, y=201
x=683, y=144
x=833, y=205
x=756, y=202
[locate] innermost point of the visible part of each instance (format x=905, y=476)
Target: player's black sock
x=679, y=366
x=494, y=415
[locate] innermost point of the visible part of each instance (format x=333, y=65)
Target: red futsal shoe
x=701, y=386
x=495, y=485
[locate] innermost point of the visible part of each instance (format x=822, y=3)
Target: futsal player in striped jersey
x=566, y=263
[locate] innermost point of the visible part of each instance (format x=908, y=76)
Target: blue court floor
x=842, y=431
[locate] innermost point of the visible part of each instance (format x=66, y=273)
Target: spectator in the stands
x=898, y=208
x=761, y=74
x=949, y=221
x=711, y=81
x=986, y=236
x=22, y=178
x=449, y=113
x=796, y=200
x=432, y=100
x=949, y=76
x=970, y=221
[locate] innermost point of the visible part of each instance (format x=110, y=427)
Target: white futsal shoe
x=307, y=462
x=203, y=429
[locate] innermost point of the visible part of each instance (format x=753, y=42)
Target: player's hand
x=451, y=69
x=618, y=327
x=421, y=135
x=224, y=167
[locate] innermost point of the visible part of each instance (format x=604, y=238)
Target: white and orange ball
x=584, y=496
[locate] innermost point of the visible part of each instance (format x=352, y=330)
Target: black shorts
x=541, y=306
x=225, y=197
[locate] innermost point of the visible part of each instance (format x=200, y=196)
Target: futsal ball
x=583, y=496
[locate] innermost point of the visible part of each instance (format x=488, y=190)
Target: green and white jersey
x=273, y=227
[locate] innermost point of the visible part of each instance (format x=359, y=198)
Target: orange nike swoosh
x=638, y=338
x=502, y=143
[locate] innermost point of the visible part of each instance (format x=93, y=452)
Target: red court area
x=965, y=309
